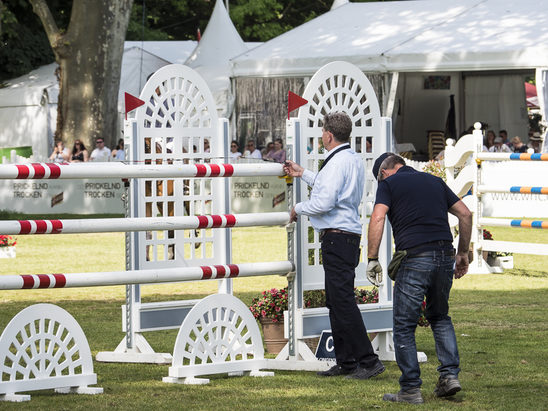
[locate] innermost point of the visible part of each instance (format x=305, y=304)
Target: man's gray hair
x=390, y=162
x=338, y=124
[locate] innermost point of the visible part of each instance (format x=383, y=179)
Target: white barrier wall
x=102, y=196
x=248, y=195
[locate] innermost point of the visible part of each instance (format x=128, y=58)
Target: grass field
x=500, y=321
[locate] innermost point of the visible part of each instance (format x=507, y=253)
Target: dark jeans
x=340, y=256
x=428, y=274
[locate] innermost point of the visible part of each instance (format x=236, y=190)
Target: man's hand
x=461, y=264
x=292, y=169
x=374, y=272
x=292, y=215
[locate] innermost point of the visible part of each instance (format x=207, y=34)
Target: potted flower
x=7, y=246
x=269, y=309
x=497, y=258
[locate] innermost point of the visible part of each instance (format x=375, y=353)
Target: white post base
x=141, y=353
x=15, y=397
x=187, y=380
x=79, y=390
x=303, y=353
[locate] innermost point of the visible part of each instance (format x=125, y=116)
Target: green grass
x=500, y=321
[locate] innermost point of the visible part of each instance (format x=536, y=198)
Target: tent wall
x=261, y=105
x=422, y=105
x=499, y=101
x=261, y=108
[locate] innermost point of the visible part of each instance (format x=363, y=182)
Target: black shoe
x=361, y=373
x=334, y=371
x=447, y=386
x=412, y=396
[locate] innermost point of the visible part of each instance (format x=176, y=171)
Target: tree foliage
x=25, y=45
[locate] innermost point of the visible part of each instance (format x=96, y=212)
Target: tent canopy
x=424, y=35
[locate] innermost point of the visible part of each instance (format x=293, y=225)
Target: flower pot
x=7, y=252
x=273, y=333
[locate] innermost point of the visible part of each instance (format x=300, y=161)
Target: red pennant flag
x=294, y=101
x=132, y=102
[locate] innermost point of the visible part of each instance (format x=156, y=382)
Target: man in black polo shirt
x=416, y=205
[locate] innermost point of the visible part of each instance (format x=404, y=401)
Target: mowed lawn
x=500, y=321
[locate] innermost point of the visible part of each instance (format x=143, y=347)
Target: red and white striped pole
x=38, y=171
x=108, y=225
x=98, y=279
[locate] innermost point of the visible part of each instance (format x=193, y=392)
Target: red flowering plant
x=7, y=241
x=270, y=304
x=316, y=298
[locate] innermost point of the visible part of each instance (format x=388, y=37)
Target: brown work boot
x=411, y=396
x=447, y=386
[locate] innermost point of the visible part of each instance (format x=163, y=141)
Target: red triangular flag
x=294, y=101
x=132, y=102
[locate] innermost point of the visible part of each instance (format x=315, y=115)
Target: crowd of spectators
x=502, y=144
x=80, y=154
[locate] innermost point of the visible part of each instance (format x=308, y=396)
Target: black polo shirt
x=417, y=207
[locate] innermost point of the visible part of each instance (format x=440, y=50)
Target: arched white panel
x=337, y=86
x=218, y=335
x=178, y=116
x=44, y=347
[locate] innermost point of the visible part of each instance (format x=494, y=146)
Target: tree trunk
x=89, y=55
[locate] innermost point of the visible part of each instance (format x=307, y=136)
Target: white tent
x=479, y=50
x=211, y=58
x=28, y=104
x=434, y=35
x=28, y=110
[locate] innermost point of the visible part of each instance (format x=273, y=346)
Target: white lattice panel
x=338, y=86
x=218, y=335
x=44, y=347
x=178, y=119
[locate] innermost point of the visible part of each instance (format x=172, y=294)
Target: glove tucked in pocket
x=394, y=265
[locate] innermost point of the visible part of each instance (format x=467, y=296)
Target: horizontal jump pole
x=164, y=275
x=110, y=225
x=513, y=156
x=513, y=247
x=500, y=222
x=37, y=171
x=513, y=189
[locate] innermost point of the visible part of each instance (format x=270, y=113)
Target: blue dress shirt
x=336, y=194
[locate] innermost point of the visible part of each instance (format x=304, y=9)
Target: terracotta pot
x=273, y=334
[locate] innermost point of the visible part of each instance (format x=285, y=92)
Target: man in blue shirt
x=333, y=209
x=417, y=205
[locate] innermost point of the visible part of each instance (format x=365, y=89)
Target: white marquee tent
x=28, y=104
x=486, y=47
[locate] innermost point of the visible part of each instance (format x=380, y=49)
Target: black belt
x=430, y=246
x=336, y=230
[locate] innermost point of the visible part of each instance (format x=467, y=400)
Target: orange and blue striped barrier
x=502, y=222
x=529, y=223
x=529, y=156
x=529, y=190
x=512, y=156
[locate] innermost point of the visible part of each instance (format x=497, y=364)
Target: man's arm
x=374, y=232
x=464, y=215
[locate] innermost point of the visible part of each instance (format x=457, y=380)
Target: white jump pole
x=512, y=156
x=123, y=170
x=108, y=225
x=521, y=223
x=512, y=189
x=161, y=275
